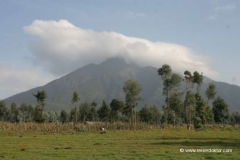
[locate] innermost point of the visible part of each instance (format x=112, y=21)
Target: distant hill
x=105, y=81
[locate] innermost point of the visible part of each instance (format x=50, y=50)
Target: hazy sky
x=41, y=40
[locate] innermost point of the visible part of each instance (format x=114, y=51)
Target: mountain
x=105, y=81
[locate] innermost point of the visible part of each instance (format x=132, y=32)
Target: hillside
x=105, y=81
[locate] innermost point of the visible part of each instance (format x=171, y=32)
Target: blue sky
x=206, y=32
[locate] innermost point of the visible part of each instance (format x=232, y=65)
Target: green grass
x=148, y=144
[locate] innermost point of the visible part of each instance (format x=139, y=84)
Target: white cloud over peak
x=62, y=47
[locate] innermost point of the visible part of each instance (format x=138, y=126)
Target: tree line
x=181, y=107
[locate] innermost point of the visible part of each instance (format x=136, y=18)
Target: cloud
x=132, y=15
x=212, y=17
x=61, y=47
x=225, y=8
x=16, y=79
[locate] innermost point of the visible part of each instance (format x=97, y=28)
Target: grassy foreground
x=148, y=144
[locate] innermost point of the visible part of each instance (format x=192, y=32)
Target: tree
x=104, y=112
x=165, y=72
x=23, y=109
x=220, y=110
x=209, y=115
x=15, y=114
x=38, y=114
x=116, y=106
x=176, y=107
x=93, y=115
x=51, y=116
x=235, y=118
x=189, y=103
x=174, y=83
x=198, y=79
x=132, y=89
x=3, y=110
x=94, y=104
x=200, y=108
x=64, y=116
x=29, y=113
x=150, y=114
x=210, y=92
x=189, y=97
x=75, y=99
x=40, y=96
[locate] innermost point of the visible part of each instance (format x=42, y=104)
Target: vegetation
x=180, y=107
x=62, y=135
x=145, y=144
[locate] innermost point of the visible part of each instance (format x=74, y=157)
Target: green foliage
x=176, y=103
x=198, y=79
x=51, y=116
x=64, y=116
x=174, y=83
x=3, y=110
x=200, y=108
x=41, y=96
x=87, y=112
x=220, y=110
x=209, y=115
x=75, y=99
x=235, y=118
x=165, y=71
x=132, y=89
x=27, y=112
x=210, y=92
x=197, y=121
x=116, y=106
x=104, y=112
x=38, y=115
x=188, y=77
x=38, y=112
x=150, y=114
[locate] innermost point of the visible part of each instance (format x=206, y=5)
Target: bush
x=197, y=123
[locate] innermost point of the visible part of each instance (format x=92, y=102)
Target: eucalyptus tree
x=132, y=90
x=189, y=97
x=189, y=103
x=210, y=92
x=40, y=97
x=171, y=82
x=165, y=72
x=75, y=99
x=198, y=79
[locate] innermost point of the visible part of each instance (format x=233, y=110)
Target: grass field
x=142, y=144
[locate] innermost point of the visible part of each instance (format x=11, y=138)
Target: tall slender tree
x=189, y=97
x=198, y=79
x=165, y=72
x=40, y=96
x=132, y=89
x=75, y=99
x=210, y=92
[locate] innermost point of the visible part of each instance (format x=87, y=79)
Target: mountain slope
x=105, y=81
